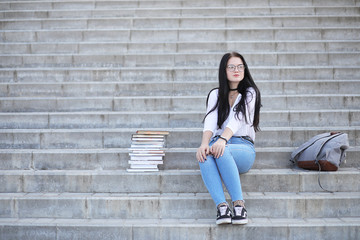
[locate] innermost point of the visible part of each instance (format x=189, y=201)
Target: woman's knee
x=208, y=163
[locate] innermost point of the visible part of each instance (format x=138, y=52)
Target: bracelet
x=226, y=141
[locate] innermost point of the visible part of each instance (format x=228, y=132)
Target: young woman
x=227, y=147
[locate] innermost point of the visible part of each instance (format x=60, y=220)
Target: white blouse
x=237, y=125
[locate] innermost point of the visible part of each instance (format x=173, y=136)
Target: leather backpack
x=323, y=152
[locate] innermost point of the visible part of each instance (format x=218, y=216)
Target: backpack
x=324, y=152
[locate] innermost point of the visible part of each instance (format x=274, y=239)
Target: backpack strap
x=317, y=163
x=334, y=135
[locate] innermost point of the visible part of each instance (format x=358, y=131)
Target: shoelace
x=238, y=210
x=222, y=210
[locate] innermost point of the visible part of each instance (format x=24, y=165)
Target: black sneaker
x=223, y=215
x=240, y=215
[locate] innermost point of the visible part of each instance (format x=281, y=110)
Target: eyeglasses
x=232, y=68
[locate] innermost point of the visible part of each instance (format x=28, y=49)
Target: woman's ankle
x=222, y=204
x=239, y=202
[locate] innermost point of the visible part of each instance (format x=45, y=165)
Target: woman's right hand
x=202, y=152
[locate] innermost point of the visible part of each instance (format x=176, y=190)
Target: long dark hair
x=243, y=88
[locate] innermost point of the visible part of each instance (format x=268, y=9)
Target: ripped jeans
x=238, y=158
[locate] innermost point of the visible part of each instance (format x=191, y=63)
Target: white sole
x=223, y=221
x=240, y=222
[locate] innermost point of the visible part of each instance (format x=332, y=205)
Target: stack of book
x=147, y=150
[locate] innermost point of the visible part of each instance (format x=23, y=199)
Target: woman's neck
x=233, y=86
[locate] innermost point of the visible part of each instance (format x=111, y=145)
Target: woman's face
x=235, y=70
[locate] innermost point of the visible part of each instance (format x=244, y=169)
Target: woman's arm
x=210, y=122
x=218, y=148
x=204, y=148
x=209, y=127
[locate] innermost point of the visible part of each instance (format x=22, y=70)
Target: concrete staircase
x=78, y=77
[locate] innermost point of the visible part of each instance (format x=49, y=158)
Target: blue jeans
x=238, y=158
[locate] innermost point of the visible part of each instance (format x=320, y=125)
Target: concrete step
x=48, y=5
x=113, y=229
x=172, y=22
x=178, y=59
x=171, y=103
x=117, y=158
x=171, y=206
x=105, y=4
x=184, y=158
x=183, y=34
x=121, y=137
x=108, y=119
x=117, y=89
x=172, y=74
x=172, y=181
x=178, y=47
x=177, y=12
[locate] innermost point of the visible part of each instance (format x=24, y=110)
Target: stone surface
x=77, y=78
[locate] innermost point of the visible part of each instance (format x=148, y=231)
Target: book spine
x=138, y=162
x=146, y=150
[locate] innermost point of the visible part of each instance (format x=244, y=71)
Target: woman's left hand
x=218, y=148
